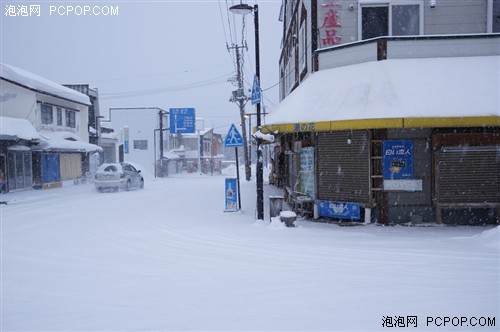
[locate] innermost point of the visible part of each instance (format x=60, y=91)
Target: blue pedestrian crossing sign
x=233, y=138
x=256, y=93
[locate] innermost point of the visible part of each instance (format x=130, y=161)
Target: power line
x=130, y=94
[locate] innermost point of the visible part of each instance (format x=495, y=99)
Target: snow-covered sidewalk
x=169, y=258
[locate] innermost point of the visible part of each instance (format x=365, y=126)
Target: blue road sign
x=256, y=93
x=182, y=121
x=233, y=138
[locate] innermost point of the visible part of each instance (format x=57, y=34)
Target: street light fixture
x=243, y=9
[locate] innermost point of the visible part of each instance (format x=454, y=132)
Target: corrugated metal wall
x=343, y=171
x=468, y=175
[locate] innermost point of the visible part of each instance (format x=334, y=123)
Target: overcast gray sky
x=145, y=53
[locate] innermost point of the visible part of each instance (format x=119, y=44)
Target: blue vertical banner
x=398, y=159
x=231, y=195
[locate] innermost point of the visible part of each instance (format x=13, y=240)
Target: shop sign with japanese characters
x=329, y=23
x=398, y=159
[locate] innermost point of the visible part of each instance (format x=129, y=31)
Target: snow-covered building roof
x=65, y=141
x=40, y=84
x=395, y=93
x=17, y=129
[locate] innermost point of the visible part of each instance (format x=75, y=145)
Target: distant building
x=109, y=141
x=389, y=110
x=43, y=131
x=140, y=131
x=208, y=148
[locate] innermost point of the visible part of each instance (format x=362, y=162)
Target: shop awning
x=17, y=130
x=64, y=141
x=395, y=93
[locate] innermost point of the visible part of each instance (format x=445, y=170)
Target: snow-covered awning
x=13, y=129
x=64, y=141
x=41, y=84
x=395, y=93
x=170, y=155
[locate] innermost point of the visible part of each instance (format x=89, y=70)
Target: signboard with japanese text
x=340, y=210
x=398, y=159
x=231, y=195
x=182, y=121
x=329, y=23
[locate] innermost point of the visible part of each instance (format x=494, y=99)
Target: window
x=496, y=16
x=374, y=22
x=47, y=116
x=70, y=119
x=302, y=46
x=405, y=20
x=396, y=19
x=59, y=117
x=140, y=144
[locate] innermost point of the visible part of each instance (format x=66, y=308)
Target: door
x=50, y=168
x=3, y=173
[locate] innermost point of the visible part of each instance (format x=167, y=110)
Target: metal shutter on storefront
x=468, y=175
x=343, y=170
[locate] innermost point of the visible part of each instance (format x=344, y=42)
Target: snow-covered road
x=169, y=258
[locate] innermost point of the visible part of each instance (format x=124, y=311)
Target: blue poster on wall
x=398, y=159
x=341, y=210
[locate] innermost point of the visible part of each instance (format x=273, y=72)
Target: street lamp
x=243, y=9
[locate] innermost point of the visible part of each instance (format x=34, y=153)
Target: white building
x=43, y=131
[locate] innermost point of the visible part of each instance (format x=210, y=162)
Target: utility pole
x=240, y=98
x=259, y=173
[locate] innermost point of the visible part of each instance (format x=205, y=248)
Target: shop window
x=46, y=114
x=20, y=171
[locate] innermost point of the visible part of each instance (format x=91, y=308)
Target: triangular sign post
x=233, y=138
x=256, y=92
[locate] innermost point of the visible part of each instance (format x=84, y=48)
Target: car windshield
x=110, y=168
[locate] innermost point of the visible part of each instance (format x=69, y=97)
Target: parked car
x=117, y=176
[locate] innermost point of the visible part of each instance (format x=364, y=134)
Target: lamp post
x=98, y=134
x=243, y=9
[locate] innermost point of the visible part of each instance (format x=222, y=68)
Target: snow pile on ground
x=489, y=238
x=168, y=258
